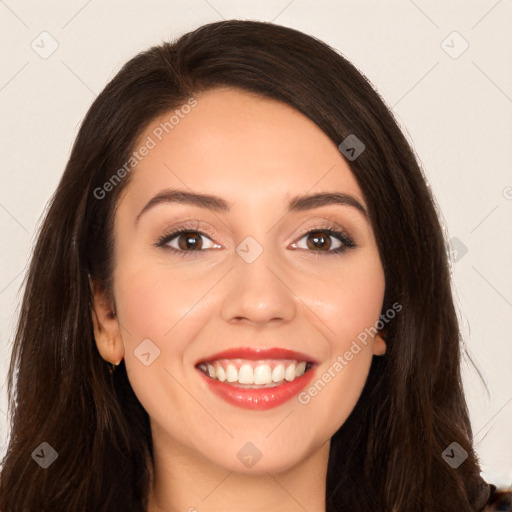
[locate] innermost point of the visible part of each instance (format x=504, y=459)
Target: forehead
x=240, y=146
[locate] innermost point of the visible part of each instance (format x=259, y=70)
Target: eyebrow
x=215, y=203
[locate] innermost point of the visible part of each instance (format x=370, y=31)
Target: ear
x=107, y=332
x=379, y=344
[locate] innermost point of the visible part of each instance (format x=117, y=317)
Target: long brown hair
x=388, y=454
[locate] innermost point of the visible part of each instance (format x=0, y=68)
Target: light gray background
x=455, y=111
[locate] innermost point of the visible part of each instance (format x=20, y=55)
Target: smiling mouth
x=245, y=373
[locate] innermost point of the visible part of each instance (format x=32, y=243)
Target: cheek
x=165, y=307
x=350, y=305
x=335, y=390
x=152, y=300
x=350, y=301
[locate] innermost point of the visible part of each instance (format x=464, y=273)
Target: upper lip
x=255, y=354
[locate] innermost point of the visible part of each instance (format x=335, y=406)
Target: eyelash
x=330, y=230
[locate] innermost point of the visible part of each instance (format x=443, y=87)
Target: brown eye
x=319, y=240
x=325, y=241
x=189, y=240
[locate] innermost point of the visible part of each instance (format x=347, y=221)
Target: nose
x=258, y=292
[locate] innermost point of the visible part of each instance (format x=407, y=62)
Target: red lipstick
x=255, y=354
x=261, y=398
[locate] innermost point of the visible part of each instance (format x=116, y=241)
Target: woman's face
x=251, y=273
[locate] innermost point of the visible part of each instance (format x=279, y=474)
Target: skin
x=256, y=154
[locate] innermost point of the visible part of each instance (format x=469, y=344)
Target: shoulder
x=500, y=500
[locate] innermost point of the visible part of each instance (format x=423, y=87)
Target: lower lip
x=262, y=398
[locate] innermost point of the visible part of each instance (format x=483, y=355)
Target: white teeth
x=231, y=373
x=262, y=374
x=221, y=374
x=300, y=369
x=211, y=371
x=289, y=374
x=278, y=373
x=245, y=375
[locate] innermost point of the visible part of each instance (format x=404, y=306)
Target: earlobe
x=106, y=327
x=379, y=344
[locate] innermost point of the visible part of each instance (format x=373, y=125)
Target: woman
x=243, y=233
